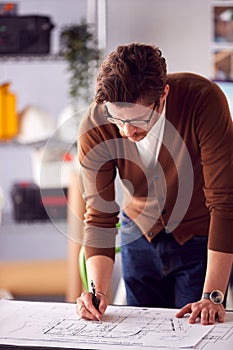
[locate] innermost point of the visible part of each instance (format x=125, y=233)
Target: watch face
x=216, y=297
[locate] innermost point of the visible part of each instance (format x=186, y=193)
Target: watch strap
x=205, y=296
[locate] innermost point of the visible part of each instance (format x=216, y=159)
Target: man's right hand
x=86, y=309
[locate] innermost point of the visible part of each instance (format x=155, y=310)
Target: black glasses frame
x=132, y=122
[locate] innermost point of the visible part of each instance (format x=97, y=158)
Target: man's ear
x=165, y=92
x=164, y=96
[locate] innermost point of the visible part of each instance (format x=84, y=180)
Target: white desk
x=56, y=326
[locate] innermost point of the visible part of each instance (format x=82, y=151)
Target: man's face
x=133, y=120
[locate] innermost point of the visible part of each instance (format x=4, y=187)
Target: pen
x=94, y=298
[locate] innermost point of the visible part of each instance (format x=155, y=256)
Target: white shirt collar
x=150, y=145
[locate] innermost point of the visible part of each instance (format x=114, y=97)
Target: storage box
x=27, y=204
x=25, y=34
x=31, y=203
x=54, y=201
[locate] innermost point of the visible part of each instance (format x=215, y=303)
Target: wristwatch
x=216, y=296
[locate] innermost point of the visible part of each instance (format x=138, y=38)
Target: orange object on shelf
x=8, y=114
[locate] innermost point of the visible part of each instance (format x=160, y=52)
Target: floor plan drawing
x=220, y=337
x=123, y=327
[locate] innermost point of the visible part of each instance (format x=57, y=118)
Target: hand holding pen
x=91, y=305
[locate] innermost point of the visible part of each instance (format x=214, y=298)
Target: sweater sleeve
x=214, y=130
x=97, y=177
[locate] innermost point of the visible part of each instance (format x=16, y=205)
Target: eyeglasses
x=141, y=123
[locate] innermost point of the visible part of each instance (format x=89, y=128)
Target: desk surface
x=41, y=325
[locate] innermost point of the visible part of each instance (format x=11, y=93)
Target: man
x=169, y=137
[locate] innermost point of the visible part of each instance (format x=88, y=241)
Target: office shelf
x=31, y=58
x=34, y=240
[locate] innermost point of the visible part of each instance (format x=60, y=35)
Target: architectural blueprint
x=57, y=325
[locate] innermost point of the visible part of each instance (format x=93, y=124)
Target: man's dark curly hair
x=131, y=73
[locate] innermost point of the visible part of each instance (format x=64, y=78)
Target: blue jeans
x=162, y=273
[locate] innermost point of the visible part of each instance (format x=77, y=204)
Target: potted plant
x=79, y=48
